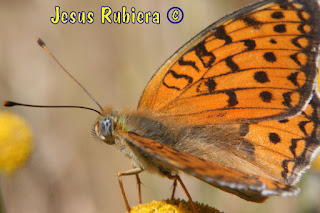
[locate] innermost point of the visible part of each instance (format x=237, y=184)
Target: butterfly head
x=104, y=127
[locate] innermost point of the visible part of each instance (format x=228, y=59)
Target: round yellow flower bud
x=15, y=142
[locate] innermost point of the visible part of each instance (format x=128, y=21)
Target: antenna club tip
x=41, y=42
x=8, y=104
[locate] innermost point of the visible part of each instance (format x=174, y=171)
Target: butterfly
x=236, y=107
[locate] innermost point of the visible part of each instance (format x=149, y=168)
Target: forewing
x=255, y=64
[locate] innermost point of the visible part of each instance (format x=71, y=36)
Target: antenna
x=43, y=45
x=11, y=104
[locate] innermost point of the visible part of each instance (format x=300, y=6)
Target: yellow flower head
x=172, y=206
x=15, y=142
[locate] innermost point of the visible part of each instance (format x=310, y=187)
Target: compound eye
x=105, y=127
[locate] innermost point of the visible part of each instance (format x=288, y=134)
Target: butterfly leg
x=134, y=171
x=177, y=178
x=139, y=188
x=174, y=188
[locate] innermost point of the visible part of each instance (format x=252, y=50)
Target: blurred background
x=69, y=170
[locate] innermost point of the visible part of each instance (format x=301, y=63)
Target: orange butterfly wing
x=249, y=187
x=255, y=70
x=285, y=148
x=282, y=151
x=255, y=64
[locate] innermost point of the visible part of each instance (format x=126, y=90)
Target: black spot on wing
x=293, y=146
x=273, y=41
x=266, y=96
x=277, y=15
x=231, y=64
x=285, y=171
x=182, y=62
x=232, y=101
x=302, y=29
x=294, y=57
x=251, y=44
x=286, y=6
x=295, y=42
x=221, y=33
x=251, y=21
x=274, y=138
x=207, y=58
x=280, y=28
x=211, y=84
x=293, y=78
x=283, y=121
x=302, y=126
x=261, y=77
x=176, y=76
x=270, y=57
x=287, y=99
